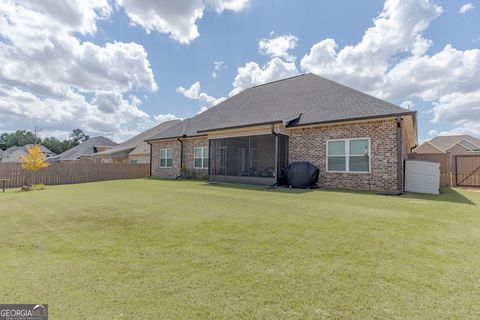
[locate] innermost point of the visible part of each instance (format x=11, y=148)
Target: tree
x=55, y=145
x=18, y=138
x=78, y=136
x=34, y=160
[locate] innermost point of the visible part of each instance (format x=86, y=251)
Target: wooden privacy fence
x=72, y=172
x=446, y=168
x=467, y=169
x=461, y=170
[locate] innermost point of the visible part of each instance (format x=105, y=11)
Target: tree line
x=20, y=138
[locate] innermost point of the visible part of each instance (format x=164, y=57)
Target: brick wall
x=188, y=158
x=309, y=144
x=172, y=172
x=189, y=170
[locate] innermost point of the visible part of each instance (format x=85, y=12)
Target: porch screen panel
x=282, y=158
x=262, y=156
x=238, y=156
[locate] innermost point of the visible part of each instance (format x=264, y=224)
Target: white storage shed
x=422, y=176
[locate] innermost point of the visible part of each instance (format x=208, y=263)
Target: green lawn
x=153, y=249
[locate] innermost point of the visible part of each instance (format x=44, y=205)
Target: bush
x=34, y=187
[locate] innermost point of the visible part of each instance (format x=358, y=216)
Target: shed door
x=422, y=176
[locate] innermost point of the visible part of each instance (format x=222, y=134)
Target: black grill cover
x=302, y=174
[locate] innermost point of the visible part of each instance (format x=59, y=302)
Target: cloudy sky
x=117, y=67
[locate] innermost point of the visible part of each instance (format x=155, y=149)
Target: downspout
x=150, y=157
x=181, y=158
x=276, y=155
x=399, y=157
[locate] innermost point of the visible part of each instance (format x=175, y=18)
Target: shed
x=422, y=176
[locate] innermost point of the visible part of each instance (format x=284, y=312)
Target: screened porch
x=257, y=159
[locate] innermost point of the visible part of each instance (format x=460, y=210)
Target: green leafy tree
x=78, y=136
x=55, y=144
x=18, y=138
x=21, y=137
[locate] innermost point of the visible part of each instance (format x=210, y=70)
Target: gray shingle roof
x=446, y=142
x=137, y=144
x=85, y=148
x=314, y=98
x=13, y=154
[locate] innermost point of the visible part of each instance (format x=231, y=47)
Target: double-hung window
x=348, y=155
x=200, y=157
x=166, y=158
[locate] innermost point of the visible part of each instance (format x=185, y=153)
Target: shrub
x=34, y=187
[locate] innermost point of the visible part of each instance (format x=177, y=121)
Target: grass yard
x=153, y=249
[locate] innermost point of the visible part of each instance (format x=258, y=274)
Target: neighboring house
x=84, y=150
x=14, y=154
x=134, y=150
x=457, y=144
x=356, y=140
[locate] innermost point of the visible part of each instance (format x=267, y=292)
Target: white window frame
x=166, y=159
x=203, y=158
x=347, y=156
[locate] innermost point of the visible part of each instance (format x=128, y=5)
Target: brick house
x=356, y=140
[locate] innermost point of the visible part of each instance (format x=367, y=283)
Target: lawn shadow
x=446, y=195
x=261, y=188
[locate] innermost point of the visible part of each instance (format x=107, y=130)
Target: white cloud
x=432, y=133
x=461, y=109
x=166, y=117
x=192, y=92
x=204, y=100
x=47, y=72
x=408, y=104
x=73, y=15
x=466, y=7
x=252, y=74
x=177, y=18
x=107, y=114
x=396, y=31
x=392, y=61
x=233, y=5
x=217, y=67
x=278, y=47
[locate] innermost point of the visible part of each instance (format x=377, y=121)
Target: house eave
x=383, y=116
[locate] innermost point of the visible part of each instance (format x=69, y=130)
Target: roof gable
x=138, y=142
x=84, y=148
x=447, y=142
